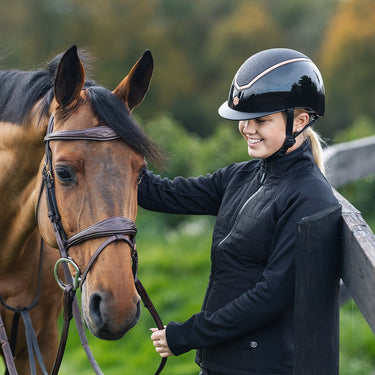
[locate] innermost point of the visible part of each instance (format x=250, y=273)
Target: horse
x=94, y=182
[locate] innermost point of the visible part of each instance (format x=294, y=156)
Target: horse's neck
x=21, y=151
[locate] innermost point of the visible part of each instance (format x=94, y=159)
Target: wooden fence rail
x=331, y=244
x=347, y=162
x=317, y=294
x=350, y=161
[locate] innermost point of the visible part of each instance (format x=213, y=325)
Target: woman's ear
x=300, y=121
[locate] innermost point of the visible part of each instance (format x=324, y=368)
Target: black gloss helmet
x=275, y=80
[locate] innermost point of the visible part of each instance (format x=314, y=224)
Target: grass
x=174, y=268
x=357, y=342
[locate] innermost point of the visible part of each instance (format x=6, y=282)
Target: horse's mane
x=20, y=90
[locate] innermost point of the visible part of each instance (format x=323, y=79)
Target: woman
x=246, y=322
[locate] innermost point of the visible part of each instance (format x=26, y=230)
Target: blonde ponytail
x=315, y=140
x=316, y=146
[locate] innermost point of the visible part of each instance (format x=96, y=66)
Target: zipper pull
x=264, y=172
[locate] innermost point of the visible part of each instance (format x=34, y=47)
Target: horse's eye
x=65, y=175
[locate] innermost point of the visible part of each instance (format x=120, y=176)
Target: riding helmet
x=274, y=80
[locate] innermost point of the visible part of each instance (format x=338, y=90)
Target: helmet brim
x=230, y=114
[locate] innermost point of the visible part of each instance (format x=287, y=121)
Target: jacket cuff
x=176, y=338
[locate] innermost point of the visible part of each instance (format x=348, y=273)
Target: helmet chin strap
x=290, y=137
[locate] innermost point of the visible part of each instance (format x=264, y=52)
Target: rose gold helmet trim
x=267, y=71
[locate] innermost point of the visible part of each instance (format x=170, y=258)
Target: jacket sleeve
x=270, y=296
x=200, y=195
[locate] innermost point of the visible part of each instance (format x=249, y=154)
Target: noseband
x=114, y=228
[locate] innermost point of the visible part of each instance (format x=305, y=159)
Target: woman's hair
x=315, y=140
x=316, y=146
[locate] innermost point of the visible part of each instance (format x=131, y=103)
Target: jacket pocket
x=235, y=354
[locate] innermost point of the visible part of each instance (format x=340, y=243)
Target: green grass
x=174, y=268
x=357, y=342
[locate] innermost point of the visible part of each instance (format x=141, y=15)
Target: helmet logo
x=236, y=100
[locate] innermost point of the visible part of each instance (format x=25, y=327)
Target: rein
x=114, y=228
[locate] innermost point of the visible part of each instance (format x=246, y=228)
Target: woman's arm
x=200, y=195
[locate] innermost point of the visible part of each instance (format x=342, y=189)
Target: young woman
x=246, y=322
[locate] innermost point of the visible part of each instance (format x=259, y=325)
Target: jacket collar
x=282, y=164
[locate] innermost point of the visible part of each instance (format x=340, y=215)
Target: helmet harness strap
x=290, y=138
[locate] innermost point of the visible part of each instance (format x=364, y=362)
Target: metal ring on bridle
x=77, y=275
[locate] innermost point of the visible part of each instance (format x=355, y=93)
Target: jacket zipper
x=262, y=179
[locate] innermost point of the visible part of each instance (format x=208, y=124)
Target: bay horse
x=93, y=181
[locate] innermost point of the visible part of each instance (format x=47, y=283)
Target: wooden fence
x=323, y=257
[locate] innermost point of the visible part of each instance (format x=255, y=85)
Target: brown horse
x=93, y=182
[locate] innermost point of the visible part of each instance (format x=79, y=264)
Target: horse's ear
x=70, y=78
x=134, y=86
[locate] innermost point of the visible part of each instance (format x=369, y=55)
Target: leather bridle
x=113, y=228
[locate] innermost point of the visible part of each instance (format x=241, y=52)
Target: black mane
x=20, y=90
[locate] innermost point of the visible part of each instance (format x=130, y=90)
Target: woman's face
x=265, y=135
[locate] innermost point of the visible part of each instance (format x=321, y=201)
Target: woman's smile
x=264, y=135
x=253, y=141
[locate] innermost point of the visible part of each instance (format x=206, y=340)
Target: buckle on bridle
x=77, y=274
x=46, y=171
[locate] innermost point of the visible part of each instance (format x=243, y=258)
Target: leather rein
x=113, y=228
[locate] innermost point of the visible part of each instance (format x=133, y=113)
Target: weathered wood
x=358, y=259
x=350, y=161
x=317, y=293
x=318, y=265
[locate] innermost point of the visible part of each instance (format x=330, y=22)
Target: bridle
x=113, y=228
x=119, y=228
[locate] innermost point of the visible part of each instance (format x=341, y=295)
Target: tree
x=348, y=53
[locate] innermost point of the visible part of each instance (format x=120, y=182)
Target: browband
x=99, y=133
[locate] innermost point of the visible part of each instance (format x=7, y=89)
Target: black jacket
x=246, y=323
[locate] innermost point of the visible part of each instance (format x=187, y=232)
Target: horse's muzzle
x=100, y=320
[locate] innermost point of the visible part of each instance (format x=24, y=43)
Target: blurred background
x=197, y=47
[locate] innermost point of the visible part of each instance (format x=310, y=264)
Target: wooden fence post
x=317, y=293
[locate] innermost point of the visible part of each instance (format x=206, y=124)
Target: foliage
x=198, y=46
x=362, y=127
x=360, y=193
x=347, y=63
x=191, y=155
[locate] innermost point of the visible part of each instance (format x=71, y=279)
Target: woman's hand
x=160, y=342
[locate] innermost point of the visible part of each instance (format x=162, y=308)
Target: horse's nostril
x=107, y=322
x=95, y=307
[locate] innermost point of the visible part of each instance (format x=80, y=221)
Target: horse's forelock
x=111, y=110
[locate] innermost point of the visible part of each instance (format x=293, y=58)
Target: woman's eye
x=65, y=175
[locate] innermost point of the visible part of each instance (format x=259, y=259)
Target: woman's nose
x=249, y=127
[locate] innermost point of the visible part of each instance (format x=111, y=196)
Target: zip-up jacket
x=245, y=326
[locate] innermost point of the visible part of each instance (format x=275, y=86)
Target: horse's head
x=95, y=180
